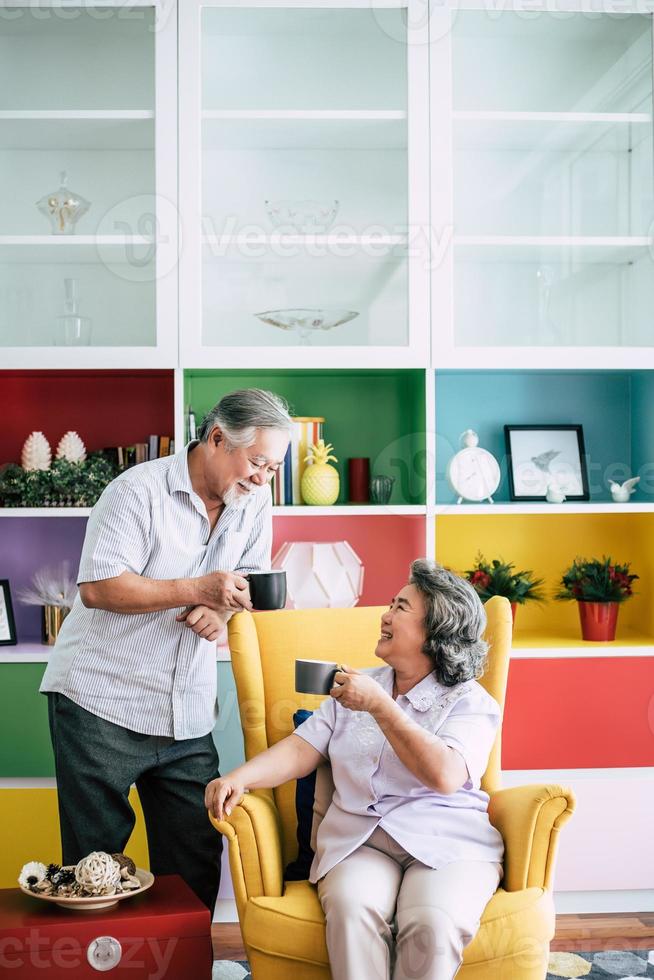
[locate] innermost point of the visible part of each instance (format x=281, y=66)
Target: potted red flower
x=598, y=588
x=499, y=577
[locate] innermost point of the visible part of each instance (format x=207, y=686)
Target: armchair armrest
x=529, y=819
x=255, y=848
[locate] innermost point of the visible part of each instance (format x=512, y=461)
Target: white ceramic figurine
x=622, y=491
x=555, y=494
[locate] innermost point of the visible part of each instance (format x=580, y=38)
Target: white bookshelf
x=571, y=508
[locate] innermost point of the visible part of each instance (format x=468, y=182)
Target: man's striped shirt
x=145, y=671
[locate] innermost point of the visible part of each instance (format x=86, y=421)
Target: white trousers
x=388, y=915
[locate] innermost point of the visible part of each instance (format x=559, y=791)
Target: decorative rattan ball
x=98, y=873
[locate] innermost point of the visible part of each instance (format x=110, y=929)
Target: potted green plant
x=598, y=586
x=498, y=577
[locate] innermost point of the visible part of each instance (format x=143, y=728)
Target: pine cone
x=71, y=448
x=36, y=453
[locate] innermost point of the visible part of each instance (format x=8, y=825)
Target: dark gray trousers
x=97, y=762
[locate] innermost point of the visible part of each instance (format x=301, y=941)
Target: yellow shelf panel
x=30, y=823
x=547, y=544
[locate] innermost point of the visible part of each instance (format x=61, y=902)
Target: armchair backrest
x=265, y=645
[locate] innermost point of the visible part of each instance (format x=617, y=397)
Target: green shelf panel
x=375, y=413
x=25, y=748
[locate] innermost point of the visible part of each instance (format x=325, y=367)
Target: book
x=307, y=431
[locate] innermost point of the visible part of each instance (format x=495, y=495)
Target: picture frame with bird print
x=542, y=458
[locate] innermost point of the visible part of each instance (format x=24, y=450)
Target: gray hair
x=240, y=413
x=455, y=620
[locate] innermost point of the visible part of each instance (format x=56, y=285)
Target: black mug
x=315, y=676
x=267, y=589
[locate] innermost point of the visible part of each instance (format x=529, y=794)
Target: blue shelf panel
x=614, y=408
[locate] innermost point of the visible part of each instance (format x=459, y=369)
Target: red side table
x=164, y=934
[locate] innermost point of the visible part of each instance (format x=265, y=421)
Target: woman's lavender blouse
x=373, y=787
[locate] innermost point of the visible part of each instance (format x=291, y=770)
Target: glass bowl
x=302, y=217
x=306, y=320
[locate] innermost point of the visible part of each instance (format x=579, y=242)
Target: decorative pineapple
x=36, y=453
x=320, y=481
x=71, y=448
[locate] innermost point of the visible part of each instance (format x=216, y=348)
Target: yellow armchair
x=282, y=922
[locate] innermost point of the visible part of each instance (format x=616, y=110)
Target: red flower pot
x=598, y=620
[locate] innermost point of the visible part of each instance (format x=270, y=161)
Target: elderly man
x=131, y=682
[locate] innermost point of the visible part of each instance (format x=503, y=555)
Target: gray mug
x=315, y=676
x=268, y=589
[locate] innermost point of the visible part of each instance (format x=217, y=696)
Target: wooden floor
x=588, y=933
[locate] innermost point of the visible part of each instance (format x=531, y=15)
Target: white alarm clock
x=473, y=473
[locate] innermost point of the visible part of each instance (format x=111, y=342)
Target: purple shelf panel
x=29, y=544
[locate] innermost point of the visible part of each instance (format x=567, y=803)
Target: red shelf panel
x=386, y=545
x=106, y=408
x=579, y=714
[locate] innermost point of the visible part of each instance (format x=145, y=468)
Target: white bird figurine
x=622, y=491
x=555, y=494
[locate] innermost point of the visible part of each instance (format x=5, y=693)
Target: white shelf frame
x=75, y=115
x=589, y=651
x=446, y=353
x=33, y=652
x=282, y=238
x=337, y=510
x=45, y=512
x=319, y=115
x=483, y=115
x=193, y=353
x=164, y=354
x=569, y=508
x=555, y=241
x=353, y=510
x=59, y=241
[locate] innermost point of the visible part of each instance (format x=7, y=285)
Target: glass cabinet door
x=553, y=188
x=297, y=237
x=85, y=200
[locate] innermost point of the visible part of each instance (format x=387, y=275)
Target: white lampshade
x=320, y=574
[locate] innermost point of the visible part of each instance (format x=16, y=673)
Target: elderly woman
x=406, y=857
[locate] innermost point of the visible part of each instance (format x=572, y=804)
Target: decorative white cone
x=71, y=448
x=36, y=453
x=320, y=574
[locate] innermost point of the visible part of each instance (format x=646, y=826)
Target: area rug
x=230, y=970
x=610, y=964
